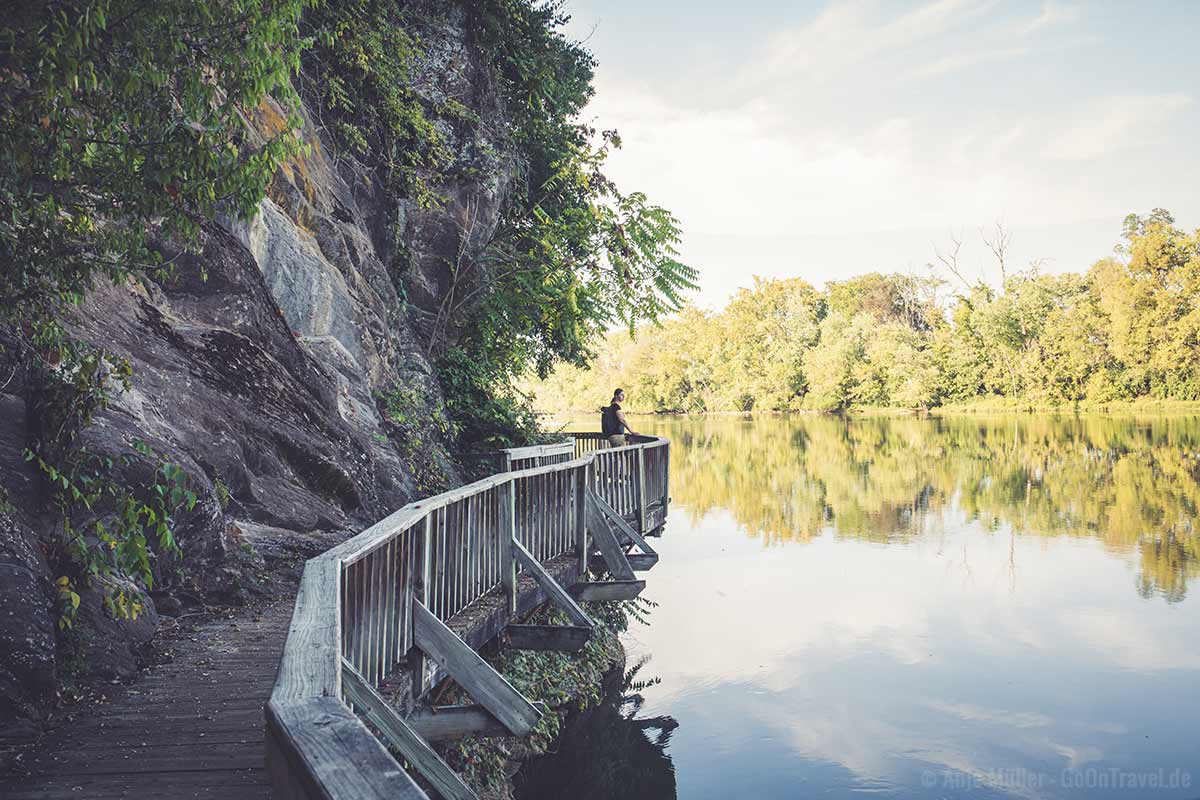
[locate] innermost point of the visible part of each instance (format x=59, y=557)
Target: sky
x=825, y=140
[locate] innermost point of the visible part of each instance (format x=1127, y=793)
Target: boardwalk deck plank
x=187, y=729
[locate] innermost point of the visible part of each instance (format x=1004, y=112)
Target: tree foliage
x=116, y=116
x=572, y=254
x=1128, y=329
x=358, y=77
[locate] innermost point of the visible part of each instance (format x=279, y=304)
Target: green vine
x=418, y=428
x=358, y=75
x=122, y=533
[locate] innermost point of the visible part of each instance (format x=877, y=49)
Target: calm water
x=898, y=607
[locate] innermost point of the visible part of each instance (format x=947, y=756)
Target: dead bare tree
x=949, y=260
x=457, y=271
x=998, y=242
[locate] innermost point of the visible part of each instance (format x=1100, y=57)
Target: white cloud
x=1113, y=124
x=724, y=171
x=850, y=34
x=1138, y=643
x=1054, y=14
x=861, y=120
x=959, y=61
x=972, y=713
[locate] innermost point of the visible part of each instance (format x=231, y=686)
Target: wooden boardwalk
x=190, y=728
x=482, y=556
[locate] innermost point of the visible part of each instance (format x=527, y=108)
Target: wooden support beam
x=622, y=526
x=553, y=588
x=638, y=561
x=607, y=590
x=454, y=722
x=472, y=673
x=400, y=736
x=603, y=536
x=565, y=638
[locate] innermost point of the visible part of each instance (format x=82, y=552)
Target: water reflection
x=608, y=751
x=926, y=608
x=1133, y=484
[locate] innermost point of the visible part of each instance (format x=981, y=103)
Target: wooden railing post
x=420, y=593
x=508, y=532
x=640, y=478
x=582, y=551
x=666, y=480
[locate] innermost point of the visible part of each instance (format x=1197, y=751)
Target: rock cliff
x=263, y=367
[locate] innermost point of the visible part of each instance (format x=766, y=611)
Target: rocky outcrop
x=437, y=250
x=28, y=684
x=259, y=368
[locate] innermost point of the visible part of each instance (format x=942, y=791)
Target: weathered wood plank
x=484, y=684
x=311, y=662
x=353, y=549
x=400, y=736
x=607, y=590
x=564, y=638
x=603, y=536
x=328, y=753
x=539, y=450
x=557, y=593
x=582, y=550
x=640, y=489
x=434, y=723
x=640, y=562
x=508, y=532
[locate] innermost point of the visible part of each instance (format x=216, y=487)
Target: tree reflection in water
x=1131, y=482
x=607, y=751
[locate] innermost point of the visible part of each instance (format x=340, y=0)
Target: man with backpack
x=612, y=421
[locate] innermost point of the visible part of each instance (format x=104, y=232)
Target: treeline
x=1127, y=329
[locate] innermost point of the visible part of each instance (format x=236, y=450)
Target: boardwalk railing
x=384, y=598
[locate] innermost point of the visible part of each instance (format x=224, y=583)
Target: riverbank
x=988, y=406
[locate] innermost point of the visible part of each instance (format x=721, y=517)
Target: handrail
x=517, y=458
x=443, y=553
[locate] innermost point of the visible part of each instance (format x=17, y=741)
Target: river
x=904, y=607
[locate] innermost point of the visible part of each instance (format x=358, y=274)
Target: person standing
x=612, y=421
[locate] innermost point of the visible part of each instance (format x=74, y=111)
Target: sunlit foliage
x=1127, y=330
x=572, y=254
x=118, y=116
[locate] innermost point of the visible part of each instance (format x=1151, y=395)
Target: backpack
x=609, y=424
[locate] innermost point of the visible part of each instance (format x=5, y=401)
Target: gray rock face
x=258, y=366
x=27, y=641
x=441, y=247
